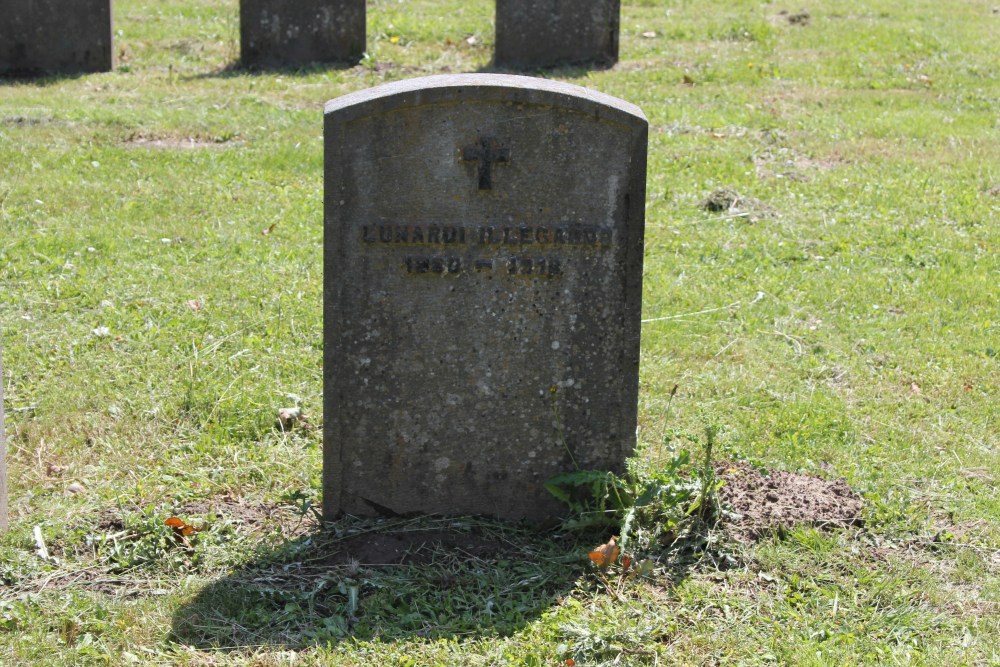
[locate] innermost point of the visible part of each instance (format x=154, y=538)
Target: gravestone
x=546, y=33
x=276, y=33
x=55, y=36
x=482, y=278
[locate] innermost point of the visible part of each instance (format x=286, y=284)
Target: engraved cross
x=487, y=152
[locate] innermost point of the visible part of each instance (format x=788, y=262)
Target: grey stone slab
x=546, y=33
x=482, y=277
x=276, y=33
x=55, y=36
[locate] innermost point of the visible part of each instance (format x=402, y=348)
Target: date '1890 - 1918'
x=521, y=265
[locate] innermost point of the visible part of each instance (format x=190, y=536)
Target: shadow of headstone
x=430, y=579
x=238, y=68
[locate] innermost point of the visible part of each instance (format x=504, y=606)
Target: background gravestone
x=276, y=33
x=545, y=33
x=58, y=36
x=482, y=276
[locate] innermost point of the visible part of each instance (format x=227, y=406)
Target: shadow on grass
x=560, y=71
x=238, y=68
x=38, y=78
x=432, y=578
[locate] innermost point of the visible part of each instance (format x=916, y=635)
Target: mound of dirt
x=763, y=503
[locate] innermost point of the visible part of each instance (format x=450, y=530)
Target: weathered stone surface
x=276, y=33
x=55, y=36
x=482, y=273
x=545, y=33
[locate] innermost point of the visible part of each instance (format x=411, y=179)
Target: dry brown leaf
x=606, y=554
x=180, y=528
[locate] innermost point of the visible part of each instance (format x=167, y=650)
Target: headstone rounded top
x=525, y=89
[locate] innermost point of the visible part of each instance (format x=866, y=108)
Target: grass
x=151, y=332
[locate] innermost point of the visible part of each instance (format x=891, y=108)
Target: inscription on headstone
x=482, y=274
x=546, y=33
x=55, y=36
x=276, y=33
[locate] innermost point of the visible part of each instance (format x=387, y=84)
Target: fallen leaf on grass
x=267, y=232
x=180, y=528
x=649, y=35
x=688, y=81
x=606, y=554
x=194, y=304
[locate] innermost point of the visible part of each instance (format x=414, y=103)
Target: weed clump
x=665, y=513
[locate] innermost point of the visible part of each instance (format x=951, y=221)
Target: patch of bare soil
x=790, y=166
x=799, y=18
x=729, y=201
x=167, y=142
x=252, y=515
x=246, y=516
x=762, y=503
x=413, y=547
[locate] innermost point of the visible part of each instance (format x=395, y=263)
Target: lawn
x=840, y=320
